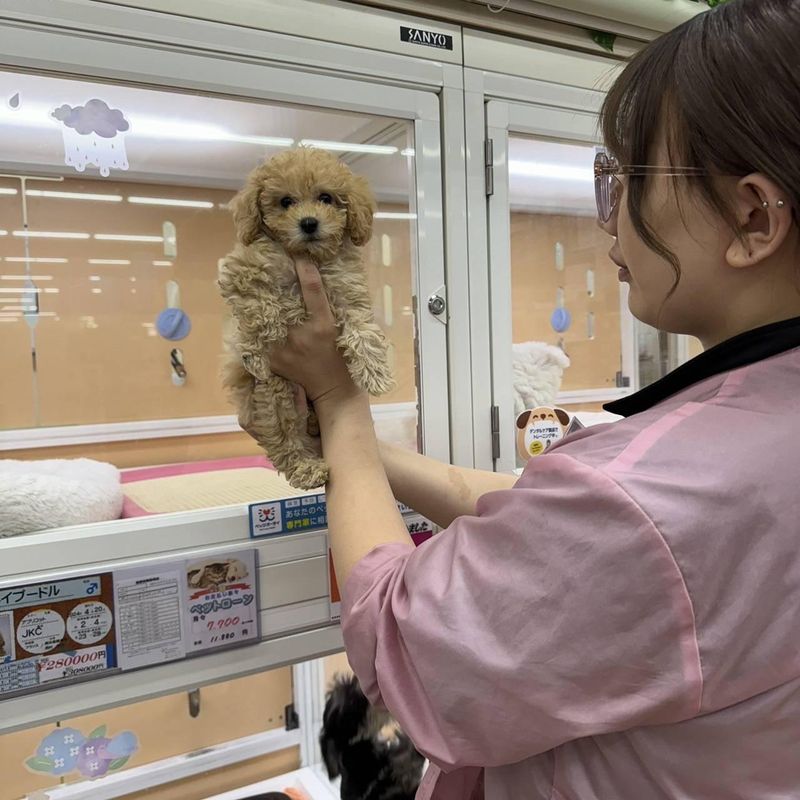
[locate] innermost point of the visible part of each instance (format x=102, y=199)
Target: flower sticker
x=65, y=750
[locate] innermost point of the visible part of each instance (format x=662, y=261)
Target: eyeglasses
x=608, y=188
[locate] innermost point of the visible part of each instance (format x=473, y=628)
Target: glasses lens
x=606, y=186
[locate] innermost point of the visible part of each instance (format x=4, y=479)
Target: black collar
x=746, y=348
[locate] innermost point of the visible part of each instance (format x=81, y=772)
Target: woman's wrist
x=341, y=402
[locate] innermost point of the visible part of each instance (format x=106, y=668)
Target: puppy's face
x=306, y=200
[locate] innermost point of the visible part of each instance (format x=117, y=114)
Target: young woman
x=621, y=623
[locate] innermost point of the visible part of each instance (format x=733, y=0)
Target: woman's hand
x=310, y=357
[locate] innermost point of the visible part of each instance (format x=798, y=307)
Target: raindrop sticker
x=13, y=101
x=93, y=135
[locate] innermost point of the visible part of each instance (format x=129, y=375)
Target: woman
x=620, y=623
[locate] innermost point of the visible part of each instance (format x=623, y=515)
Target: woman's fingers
x=313, y=291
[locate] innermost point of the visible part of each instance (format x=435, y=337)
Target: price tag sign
x=56, y=631
x=221, y=601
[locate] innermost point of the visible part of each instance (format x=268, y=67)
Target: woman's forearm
x=362, y=513
x=438, y=491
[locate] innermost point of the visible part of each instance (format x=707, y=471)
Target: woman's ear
x=764, y=216
x=247, y=213
x=360, y=208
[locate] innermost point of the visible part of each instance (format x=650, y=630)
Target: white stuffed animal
x=537, y=372
x=38, y=495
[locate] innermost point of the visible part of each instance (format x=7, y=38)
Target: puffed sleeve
x=557, y=612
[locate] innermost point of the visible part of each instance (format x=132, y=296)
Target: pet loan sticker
x=441, y=41
x=221, y=600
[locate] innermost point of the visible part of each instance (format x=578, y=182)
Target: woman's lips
x=624, y=272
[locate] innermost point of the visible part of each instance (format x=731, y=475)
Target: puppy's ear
x=360, y=208
x=247, y=213
x=562, y=415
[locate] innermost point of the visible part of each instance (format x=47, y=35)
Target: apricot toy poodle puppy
x=301, y=203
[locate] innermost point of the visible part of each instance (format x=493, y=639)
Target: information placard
x=73, y=628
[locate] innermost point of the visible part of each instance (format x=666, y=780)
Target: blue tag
x=293, y=515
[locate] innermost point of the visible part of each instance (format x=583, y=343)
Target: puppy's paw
x=308, y=474
x=312, y=423
x=255, y=365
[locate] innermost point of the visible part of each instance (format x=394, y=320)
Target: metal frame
x=496, y=105
x=502, y=118
x=94, y=40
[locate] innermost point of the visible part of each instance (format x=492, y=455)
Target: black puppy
x=364, y=745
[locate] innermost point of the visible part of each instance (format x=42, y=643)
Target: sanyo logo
x=427, y=38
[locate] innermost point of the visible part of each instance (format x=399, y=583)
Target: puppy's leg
x=365, y=350
x=279, y=428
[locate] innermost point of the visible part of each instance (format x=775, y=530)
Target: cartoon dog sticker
x=540, y=428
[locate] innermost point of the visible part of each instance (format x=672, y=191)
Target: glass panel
x=110, y=192
x=565, y=291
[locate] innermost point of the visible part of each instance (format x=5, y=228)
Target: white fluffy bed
x=37, y=495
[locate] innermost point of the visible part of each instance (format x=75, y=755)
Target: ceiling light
x=26, y=277
x=162, y=263
x=18, y=308
x=51, y=291
x=4, y=190
x=408, y=151
x=31, y=311
x=349, y=147
x=157, y=128
x=94, y=277
x=146, y=127
x=19, y=289
x=97, y=291
x=51, y=235
x=117, y=261
x=8, y=319
x=124, y=237
x=393, y=215
x=3, y=233
x=169, y=201
x=26, y=260
x=533, y=169
x=105, y=198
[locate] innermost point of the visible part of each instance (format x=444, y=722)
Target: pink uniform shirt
x=623, y=624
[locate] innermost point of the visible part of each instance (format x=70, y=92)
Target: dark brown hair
x=724, y=88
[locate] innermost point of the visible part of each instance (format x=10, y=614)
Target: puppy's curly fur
x=303, y=202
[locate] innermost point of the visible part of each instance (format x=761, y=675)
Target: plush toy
x=537, y=372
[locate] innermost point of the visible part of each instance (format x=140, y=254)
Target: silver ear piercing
x=779, y=204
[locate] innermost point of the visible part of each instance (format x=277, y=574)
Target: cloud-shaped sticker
x=95, y=117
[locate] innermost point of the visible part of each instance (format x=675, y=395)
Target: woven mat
x=209, y=489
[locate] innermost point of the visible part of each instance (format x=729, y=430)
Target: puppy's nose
x=309, y=224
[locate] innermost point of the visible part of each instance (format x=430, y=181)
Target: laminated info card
x=55, y=631
x=175, y=608
x=149, y=614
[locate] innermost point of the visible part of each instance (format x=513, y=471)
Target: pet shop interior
x=168, y=609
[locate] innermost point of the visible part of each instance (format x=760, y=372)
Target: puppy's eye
x=326, y=198
x=286, y=202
